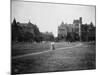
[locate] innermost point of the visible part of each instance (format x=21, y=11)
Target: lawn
x=78, y=58
x=26, y=48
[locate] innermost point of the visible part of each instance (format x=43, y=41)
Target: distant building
x=24, y=32
x=28, y=27
x=47, y=36
x=48, y=33
x=62, y=30
x=91, y=32
x=77, y=30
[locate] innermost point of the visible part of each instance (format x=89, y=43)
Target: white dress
x=52, y=46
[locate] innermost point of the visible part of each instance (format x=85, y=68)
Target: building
x=76, y=31
x=91, y=32
x=67, y=29
x=29, y=27
x=62, y=30
x=47, y=36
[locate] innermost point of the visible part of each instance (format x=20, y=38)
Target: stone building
x=62, y=30
x=77, y=30
x=28, y=27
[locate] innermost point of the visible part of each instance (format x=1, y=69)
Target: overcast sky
x=49, y=16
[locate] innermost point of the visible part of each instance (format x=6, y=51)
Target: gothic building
x=77, y=30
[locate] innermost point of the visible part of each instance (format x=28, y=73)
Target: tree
x=15, y=30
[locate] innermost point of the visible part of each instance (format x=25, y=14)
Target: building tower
x=80, y=24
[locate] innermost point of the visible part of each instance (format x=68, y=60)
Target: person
x=52, y=46
x=68, y=41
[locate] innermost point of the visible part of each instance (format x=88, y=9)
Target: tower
x=80, y=24
x=80, y=19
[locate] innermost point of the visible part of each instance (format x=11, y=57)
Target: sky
x=49, y=16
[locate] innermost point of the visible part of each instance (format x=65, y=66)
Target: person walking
x=52, y=46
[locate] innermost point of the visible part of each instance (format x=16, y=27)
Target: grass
x=78, y=58
x=26, y=48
